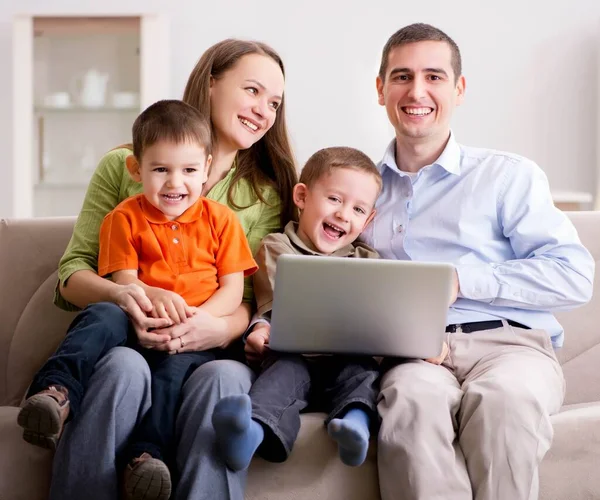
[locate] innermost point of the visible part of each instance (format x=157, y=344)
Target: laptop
x=337, y=305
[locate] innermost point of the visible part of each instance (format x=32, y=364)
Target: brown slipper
x=147, y=478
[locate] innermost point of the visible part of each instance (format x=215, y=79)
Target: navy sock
x=352, y=436
x=238, y=436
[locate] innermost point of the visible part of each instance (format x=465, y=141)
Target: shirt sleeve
x=268, y=222
x=264, y=279
x=101, y=197
x=117, y=245
x=551, y=270
x=233, y=255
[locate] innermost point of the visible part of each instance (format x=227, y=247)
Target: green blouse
x=111, y=184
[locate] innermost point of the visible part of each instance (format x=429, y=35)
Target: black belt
x=476, y=326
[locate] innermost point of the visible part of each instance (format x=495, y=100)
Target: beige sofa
x=31, y=327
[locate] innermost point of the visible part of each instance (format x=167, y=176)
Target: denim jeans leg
x=278, y=396
x=95, y=330
x=156, y=432
x=350, y=382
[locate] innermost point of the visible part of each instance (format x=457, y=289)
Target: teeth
x=173, y=197
x=249, y=124
x=417, y=111
x=336, y=228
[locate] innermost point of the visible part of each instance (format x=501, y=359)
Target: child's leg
x=57, y=389
x=146, y=476
x=269, y=417
x=351, y=390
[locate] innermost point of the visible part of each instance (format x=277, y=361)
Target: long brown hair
x=268, y=161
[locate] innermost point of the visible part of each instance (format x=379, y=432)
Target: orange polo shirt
x=187, y=255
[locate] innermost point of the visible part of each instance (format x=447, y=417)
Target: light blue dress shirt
x=490, y=214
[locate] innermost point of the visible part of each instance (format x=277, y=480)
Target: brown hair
x=420, y=32
x=170, y=120
x=326, y=160
x=270, y=160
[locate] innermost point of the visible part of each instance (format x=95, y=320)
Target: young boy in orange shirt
x=187, y=253
x=336, y=196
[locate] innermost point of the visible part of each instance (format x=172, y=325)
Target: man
x=477, y=423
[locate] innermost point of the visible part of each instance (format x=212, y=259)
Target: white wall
x=531, y=69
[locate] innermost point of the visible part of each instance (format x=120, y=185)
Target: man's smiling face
x=420, y=90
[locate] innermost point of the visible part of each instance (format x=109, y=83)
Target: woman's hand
x=257, y=343
x=201, y=332
x=439, y=359
x=134, y=301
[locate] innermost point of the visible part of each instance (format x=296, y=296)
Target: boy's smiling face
x=172, y=175
x=335, y=208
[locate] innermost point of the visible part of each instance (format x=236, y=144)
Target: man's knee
x=123, y=367
x=224, y=376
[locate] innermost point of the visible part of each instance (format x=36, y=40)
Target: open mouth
x=333, y=231
x=249, y=124
x=173, y=198
x=412, y=111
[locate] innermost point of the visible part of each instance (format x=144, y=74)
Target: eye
x=360, y=210
x=252, y=90
x=190, y=170
x=159, y=170
x=434, y=77
x=403, y=78
x=334, y=199
x=275, y=105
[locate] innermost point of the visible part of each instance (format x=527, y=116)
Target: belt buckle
x=458, y=328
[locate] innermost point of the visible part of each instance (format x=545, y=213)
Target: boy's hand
x=257, y=343
x=439, y=359
x=168, y=305
x=455, y=288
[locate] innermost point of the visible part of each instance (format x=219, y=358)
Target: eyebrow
x=257, y=83
x=167, y=164
x=438, y=71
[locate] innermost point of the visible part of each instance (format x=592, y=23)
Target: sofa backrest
x=32, y=326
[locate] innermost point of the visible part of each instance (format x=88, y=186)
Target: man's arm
x=551, y=270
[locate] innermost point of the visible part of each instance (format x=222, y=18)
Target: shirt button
x=175, y=240
x=174, y=227
x=400, y=228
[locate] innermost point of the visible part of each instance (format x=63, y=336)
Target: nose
x=261, y=107
x=417, y=89
x=343, y=213
x=174, y=179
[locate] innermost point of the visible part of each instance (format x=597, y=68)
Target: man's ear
x=299, y=195
x=133, y=167
x=209, y=160
x=379, y=85
x=461, y=86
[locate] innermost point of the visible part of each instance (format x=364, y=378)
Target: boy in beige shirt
x=336, y=196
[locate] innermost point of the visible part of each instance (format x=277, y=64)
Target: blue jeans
x=117, y=399
x=289, y=383
x=96, y=330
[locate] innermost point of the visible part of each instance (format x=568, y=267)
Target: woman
x=239, y=85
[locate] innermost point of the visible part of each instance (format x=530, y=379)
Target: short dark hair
x=327, y=159
x=420, y=32
x=170, y=120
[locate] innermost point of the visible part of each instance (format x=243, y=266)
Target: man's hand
x=257, y=343
x=455, y=288
x=168, y=305
x=440, y=359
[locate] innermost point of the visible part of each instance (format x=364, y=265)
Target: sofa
x=32, y=327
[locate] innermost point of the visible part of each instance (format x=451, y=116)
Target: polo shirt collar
x=291, y=231
x=155, y=216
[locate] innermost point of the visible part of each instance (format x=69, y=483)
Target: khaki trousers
x=475, y=427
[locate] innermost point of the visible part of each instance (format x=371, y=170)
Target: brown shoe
x=43, y=416
x=147, y=478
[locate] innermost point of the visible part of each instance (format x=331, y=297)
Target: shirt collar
x=449, y=160
x=155, y=216
x=291, y=231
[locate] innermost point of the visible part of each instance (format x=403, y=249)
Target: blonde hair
x=270, y=160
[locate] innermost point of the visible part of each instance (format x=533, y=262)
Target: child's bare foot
x=43, y=416
x=147, y=478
